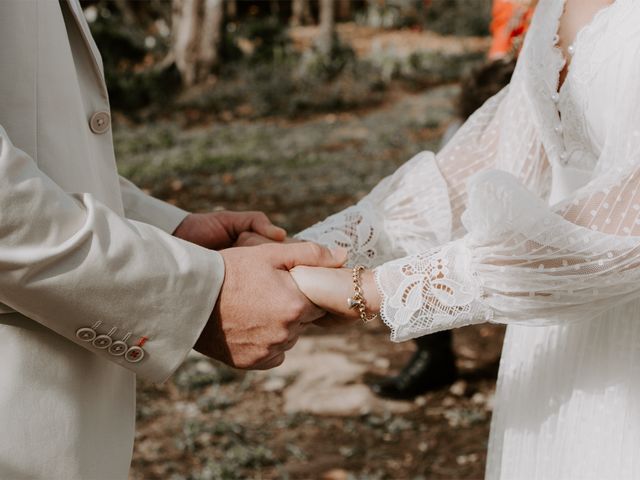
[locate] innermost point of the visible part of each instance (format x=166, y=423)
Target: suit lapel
x=83, y=27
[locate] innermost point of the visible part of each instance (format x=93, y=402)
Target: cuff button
x=118, y=348
x=102, y=342
x=134, y=354
x=86, y=334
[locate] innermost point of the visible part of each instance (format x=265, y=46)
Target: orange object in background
x=510, y=20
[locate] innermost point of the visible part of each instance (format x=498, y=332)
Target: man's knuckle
x=315, y=250
x=242, y=363
x=297, y=308
x=263, y=354
x=281, y=336
x=251, y=359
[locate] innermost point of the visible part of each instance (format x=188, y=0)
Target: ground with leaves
x=210, y=422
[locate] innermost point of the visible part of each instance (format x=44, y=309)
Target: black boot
x=432, y=366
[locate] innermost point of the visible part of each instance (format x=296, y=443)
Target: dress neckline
x=573, y=46
x=539, y=67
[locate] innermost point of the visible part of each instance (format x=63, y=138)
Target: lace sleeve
x=388, y=223
x=523, y=261
x=420, y=205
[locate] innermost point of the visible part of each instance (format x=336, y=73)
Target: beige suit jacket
x=93, y=288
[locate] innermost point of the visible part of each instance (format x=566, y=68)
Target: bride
x=530, y=216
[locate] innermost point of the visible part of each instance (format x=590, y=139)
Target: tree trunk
x=300, y=13
x=274, y=8
x=327, y=35
x=374, y=9
x=196, y=38
x=128, y=16
x=232, y=9
x=344, y=10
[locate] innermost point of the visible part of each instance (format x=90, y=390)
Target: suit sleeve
x=144, y=208
x=69, y=262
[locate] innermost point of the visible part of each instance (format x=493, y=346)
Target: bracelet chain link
x=357, y=301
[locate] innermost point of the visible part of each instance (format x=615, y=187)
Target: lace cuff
x=393, y=220
x=432, y=291
x=358, y=229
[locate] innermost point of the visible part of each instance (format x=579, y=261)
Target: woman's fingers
x=250, y=239
x=328, y=288
x=261, y=225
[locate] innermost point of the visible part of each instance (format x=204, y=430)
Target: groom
x=100, y=283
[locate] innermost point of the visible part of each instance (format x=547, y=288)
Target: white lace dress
x=530, y=216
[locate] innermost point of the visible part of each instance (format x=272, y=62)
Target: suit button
x=118, y=348
x=102, y=341
x=134, y=354
x=100, y=122
x=86, y=334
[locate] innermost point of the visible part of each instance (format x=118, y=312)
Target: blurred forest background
x=297, y=108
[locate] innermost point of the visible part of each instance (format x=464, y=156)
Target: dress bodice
x=572, y=118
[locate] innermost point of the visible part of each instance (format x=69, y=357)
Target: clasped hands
x=273, y=288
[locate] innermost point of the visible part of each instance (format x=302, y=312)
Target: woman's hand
x=251, y=239
x=329, y=289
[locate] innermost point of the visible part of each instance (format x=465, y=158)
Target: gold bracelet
x=357, y=301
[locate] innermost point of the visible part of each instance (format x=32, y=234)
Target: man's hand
x=220, y=230
x=260, y=311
